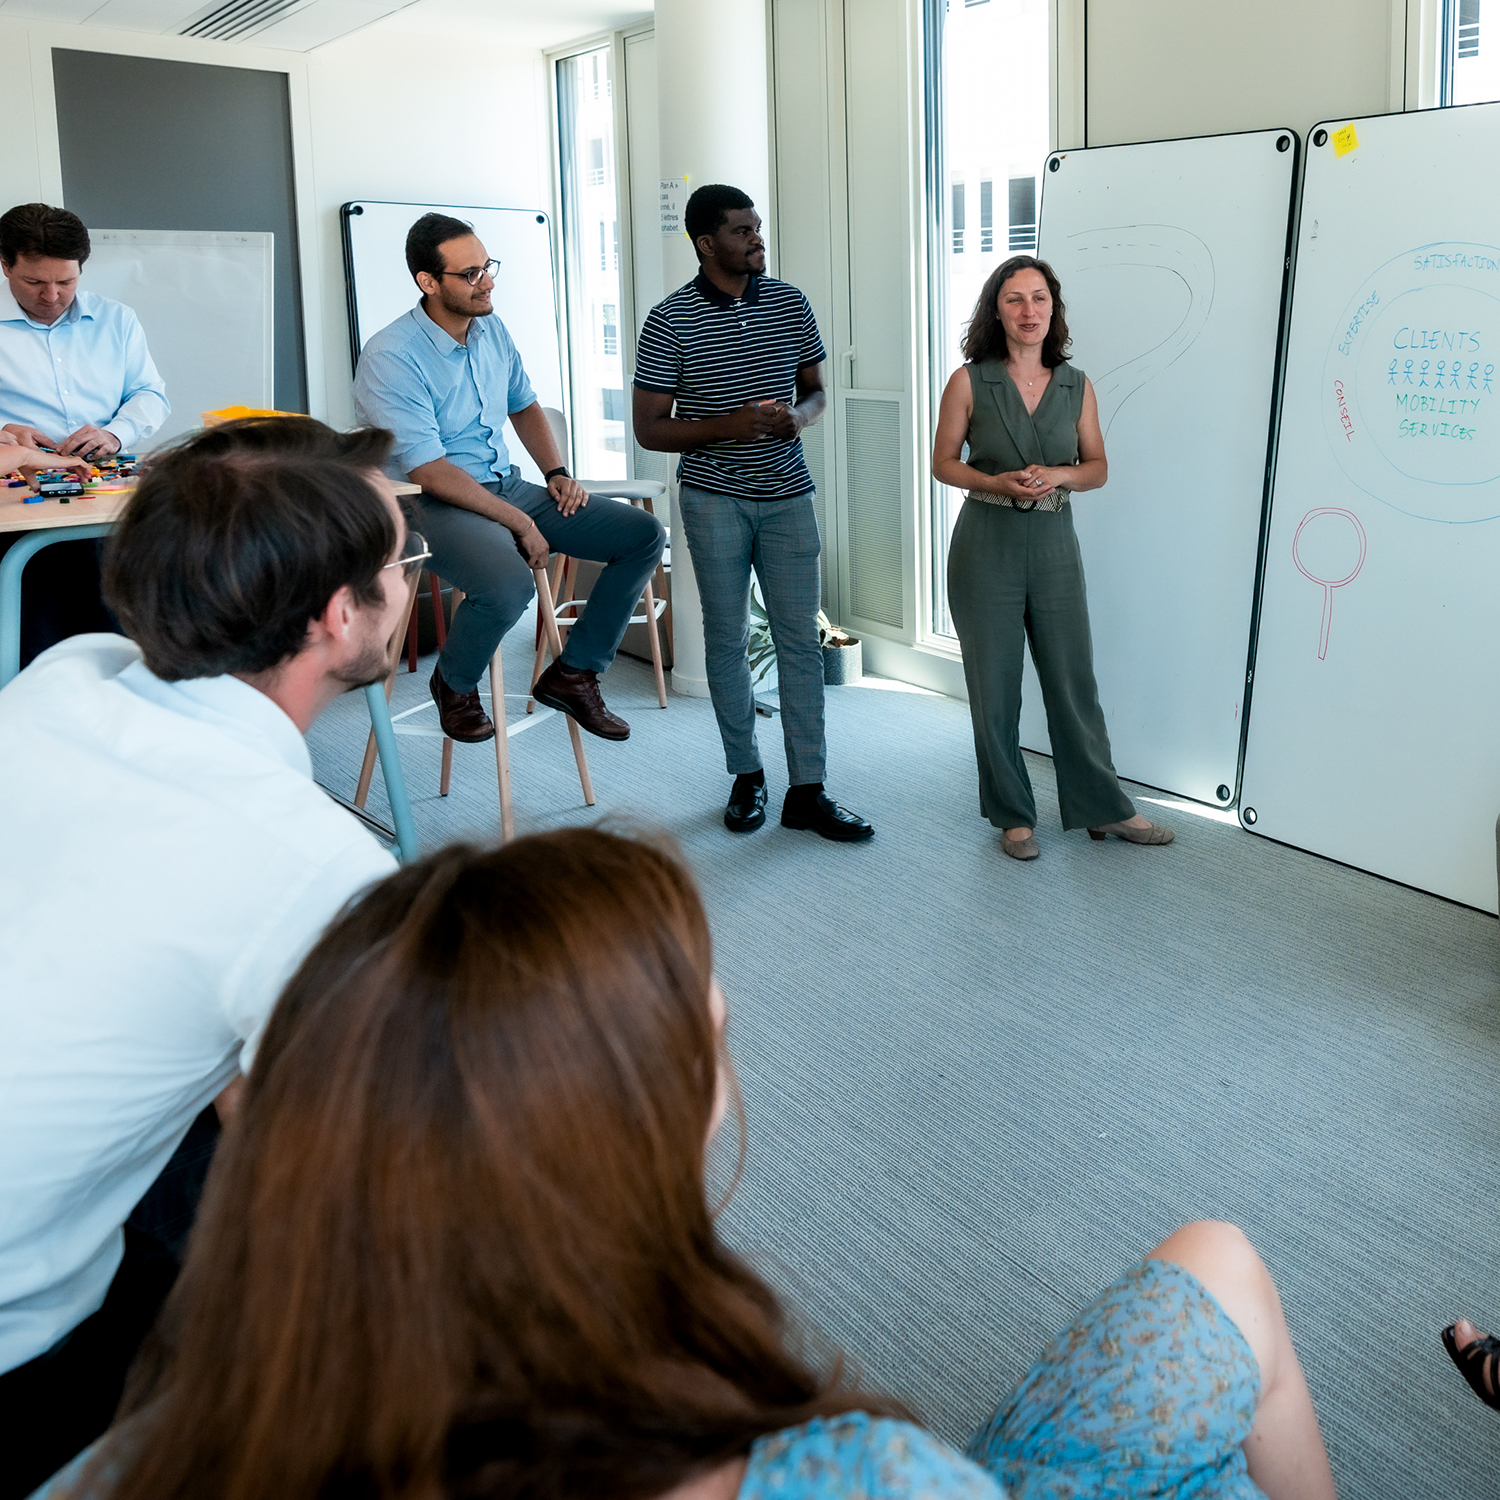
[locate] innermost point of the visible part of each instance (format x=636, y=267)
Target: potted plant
x=842, y=656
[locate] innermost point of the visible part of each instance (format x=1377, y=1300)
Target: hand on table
x=532, y=545
x=90, y=442
x=568, y=493
x=29, y=470
x=28, y=437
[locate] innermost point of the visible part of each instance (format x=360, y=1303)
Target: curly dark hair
x=984, y=338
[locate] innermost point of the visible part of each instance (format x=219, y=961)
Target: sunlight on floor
x=1194, y=809
x=890, y=685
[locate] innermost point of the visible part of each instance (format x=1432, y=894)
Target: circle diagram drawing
x=1411, y=384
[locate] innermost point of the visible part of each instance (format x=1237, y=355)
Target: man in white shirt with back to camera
x=168, y=861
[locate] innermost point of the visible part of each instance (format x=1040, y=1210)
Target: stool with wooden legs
x=497, y=713
x=439, y=624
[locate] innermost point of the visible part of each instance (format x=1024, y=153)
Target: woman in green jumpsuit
x=1031, y=426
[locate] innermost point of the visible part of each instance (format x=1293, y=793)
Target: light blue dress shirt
x=441, y=398
x=91, y=365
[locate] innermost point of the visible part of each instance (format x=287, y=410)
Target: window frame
x=1067, y=41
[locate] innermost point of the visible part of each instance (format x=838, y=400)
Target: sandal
x=1479, y=1364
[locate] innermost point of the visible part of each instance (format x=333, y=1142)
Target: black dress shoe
x=577, y=694
x=461, y=715
x=747, y=805
x=824, y=816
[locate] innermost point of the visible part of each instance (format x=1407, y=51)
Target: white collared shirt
x=91, y=365
x=166, y=861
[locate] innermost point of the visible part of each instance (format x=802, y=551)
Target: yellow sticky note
x=1345, y=141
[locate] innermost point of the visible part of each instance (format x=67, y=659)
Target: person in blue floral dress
x=458, y=1244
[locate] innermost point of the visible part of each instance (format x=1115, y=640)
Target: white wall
x=1160, y=68
x=388, y=112
x=411, y=118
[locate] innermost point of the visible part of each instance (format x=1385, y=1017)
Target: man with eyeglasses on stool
x=444, y=377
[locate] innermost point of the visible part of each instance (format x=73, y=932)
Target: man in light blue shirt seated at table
x=444, y=377
x=75, y=372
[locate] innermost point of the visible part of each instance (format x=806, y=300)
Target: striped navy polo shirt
x=714, y=353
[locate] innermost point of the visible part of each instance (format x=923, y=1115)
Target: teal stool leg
x=12, y=565
x=390, y=768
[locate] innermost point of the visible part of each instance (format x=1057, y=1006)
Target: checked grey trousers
x=727, y=537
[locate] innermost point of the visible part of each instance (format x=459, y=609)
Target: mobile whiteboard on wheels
x=1172, y=257
x=1374, y=733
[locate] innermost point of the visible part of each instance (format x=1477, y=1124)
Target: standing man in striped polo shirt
x=739, y=355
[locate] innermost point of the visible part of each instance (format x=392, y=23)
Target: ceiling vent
x=232, y=19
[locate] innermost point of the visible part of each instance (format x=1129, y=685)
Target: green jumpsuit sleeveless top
x=1004, y=436
x=1015, y=571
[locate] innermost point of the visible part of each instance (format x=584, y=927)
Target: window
x=591, y=261
x=979, y=132
x=1022, y=215
x=1471, y=52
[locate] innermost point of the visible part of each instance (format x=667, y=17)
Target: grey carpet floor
x=977, y=1090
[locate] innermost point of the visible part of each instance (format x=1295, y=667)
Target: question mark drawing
x=1328, y=585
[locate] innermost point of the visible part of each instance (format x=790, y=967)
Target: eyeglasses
x=475, y=274
x=413, y=555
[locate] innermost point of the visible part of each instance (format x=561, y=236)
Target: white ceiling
x=301, y=25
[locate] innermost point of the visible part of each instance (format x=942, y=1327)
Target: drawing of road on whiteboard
x=1411, y=404
x=1156, y=247
x=1329, y=549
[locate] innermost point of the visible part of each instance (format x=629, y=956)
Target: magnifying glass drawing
x=1326, y=537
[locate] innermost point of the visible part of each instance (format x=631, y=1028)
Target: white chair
x=638, y=492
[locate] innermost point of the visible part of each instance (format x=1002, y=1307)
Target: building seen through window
x=989, y=119
x=591, y=256
x=1471, y=51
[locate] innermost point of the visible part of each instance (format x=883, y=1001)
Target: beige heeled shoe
x=1152, y=833
x=1020, y=848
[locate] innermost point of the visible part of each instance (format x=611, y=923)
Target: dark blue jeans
x=480, y=557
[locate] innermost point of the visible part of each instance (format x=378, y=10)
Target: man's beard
x=463, y=308
x=370, y=666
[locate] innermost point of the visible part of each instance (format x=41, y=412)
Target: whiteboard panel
x=1172, y=259
x=204, y=299
x=525, y=299
x=1375, y=722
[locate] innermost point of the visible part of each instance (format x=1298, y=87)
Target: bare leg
x=1284, y=1452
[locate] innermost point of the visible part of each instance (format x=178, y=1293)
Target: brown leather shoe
x=577, y=694
x=461, y=714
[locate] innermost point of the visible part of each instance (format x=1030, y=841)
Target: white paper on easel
x=673, y=196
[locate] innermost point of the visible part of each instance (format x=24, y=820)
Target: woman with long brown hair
x=1031, y=425
x=457, y=1242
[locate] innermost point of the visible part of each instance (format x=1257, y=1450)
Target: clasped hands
x=762, y=419
x=87, y=443
x=1034, y=482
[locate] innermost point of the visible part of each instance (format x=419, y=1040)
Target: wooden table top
x=93, y=508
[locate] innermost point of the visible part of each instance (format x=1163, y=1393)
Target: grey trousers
x=727, y=537
x=480, y=557
x=1014, y=575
